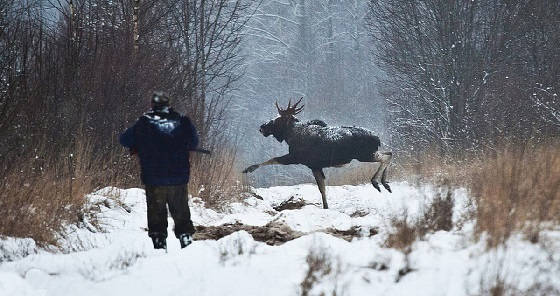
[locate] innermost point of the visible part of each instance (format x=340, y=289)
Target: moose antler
x=290, y=110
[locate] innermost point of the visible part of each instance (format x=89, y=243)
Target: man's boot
x=159, y=242
x=185, y=240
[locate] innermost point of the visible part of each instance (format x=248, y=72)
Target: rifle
x=203, y=151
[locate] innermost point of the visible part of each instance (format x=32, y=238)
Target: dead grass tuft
x=405, y=234
x=498, y=289
x=438, y=215
x=291, y=204
x=351, y=233
x=273, y=233
x=319, y=265
x=323, y=275
x=517, y=190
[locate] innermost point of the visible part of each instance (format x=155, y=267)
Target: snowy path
x=121, y=261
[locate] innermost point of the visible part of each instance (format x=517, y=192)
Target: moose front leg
x=285, y=159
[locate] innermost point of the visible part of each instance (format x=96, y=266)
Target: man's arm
x=191, y=136
x=127, y=138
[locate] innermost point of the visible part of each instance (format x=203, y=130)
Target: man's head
x=160, y=100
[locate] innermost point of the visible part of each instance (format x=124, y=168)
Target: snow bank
x=118, y=259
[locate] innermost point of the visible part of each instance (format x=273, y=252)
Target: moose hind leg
x=320, y=178
x=384, y=158
x=384, y=174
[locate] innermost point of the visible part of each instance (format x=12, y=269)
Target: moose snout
x=265, y=129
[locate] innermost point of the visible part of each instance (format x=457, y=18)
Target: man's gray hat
x=160, y=99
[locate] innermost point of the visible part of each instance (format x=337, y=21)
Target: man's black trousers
x=158, y=197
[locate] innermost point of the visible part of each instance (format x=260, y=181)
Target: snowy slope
x=121, y=261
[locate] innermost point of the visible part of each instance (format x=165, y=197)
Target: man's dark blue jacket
x=162, y=138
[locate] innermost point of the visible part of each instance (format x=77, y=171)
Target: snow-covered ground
x=120, y=260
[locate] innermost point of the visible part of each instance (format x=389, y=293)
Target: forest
x=450, y=87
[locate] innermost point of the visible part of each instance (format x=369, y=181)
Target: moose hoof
x=250, y=169
x=386, y=185
x=376, y=185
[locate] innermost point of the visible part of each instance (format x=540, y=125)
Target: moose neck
x=289, y=132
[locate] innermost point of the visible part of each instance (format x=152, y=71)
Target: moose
x=318, y=146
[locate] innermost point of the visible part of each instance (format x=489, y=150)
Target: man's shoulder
x=169, y=114
x=146, y=116
x=185, y=118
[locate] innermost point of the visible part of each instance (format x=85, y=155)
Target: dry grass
x=517, y=190
x=431, y=167
x=322, y=268
x=319, y=264
x=436, y=216
x=439, y=213
x=217, y=179
x=291, y=204
x=273, y=233
x=513, y=189
x=405, y=234
x=354, y=173
x=427, y=167
x=42, y=193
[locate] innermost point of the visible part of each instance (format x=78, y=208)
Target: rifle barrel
x=204, y=151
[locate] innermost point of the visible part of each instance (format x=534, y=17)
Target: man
x=162, y=138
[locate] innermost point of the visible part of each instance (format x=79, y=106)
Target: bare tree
x=462, y=74
x=90, y=67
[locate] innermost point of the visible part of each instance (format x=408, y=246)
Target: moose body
x=318, y=146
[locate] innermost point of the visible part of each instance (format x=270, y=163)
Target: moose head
x=280, y=125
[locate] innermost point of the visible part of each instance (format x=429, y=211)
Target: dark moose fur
x=317, y=146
